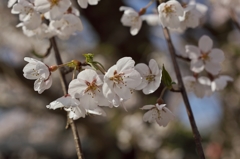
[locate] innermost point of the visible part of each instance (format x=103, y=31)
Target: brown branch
x=64, y=87
x=197, y=137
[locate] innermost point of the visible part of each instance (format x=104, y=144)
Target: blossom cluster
x=171, y=14
x=48, y=18
x=92, y=90
x=205, y=57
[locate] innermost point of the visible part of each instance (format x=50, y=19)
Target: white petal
x=83, y=3
x=165, y=116
x=97, y=111
x=154, y=67
x=197, y=66
x=151, y=19
x=143, y=69
x=150, y=116
x=132, y=78
x=213, y=68
x=93, y=2
x=111, y=95
x=205, y=44
x=216, y=55
x=150, y=88
x=123, y=92
x=147, y=107
x=125, y=63
x=192, y=51
x=76, y=88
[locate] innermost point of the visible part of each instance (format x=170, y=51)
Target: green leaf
x=167, y=80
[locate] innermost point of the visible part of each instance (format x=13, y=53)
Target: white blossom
x=53, y=9
x=69, y=104
x=41, y=32
x=199, y=86
x=170, y=13
x=151, y=76
x=11, y=3
x=120, y=80
x=88, y=88
x=204, y=57
x=84, y=3
x=157, y=113
x=131, y=19
x=220, y=82
x=192, y=14
x=30, y=18
x=66, y=26
x=37, y=70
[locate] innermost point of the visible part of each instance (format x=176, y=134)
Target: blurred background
x=28, y=130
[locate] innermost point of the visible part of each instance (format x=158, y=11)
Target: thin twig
x=197, y=137
x=64, y=87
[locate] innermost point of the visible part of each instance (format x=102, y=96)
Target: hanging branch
x=197, y=137
x=64, y=87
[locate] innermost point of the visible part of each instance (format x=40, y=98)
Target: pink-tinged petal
x=111, y=95
x=123, y=8
x=199, y=90
x=89, y=75
x=154, y=67
x=76, y=113
x=165, y=117
x=76, y=88
x=216, y=56
x=205, y=44
x=93, y=2
x=142, y=85
x=150, y=116
x=220, y=82
x=123, y=92
x=150, y=88
x=147, y=107
x=192, y=51
x=132, y=78
x=143, y=69
x=189, y=82
x=125, y=63
x=213, y=68
x=100, y=99
x=151, y=19
x=136, y=26
x=88, y=102
x=197, y=66
x=97, y=111
x=83, y=3
x=204, y=80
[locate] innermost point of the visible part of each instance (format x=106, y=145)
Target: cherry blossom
x=41, y=32
x=151, y=76
x=157, y=113
x=120, y=80
x=84, y=3
x=53, y=9
x=37, y=70
x=88, y=87
x=66, y=26
x=11, y=3
x=69, y=104
x=131, y=19
x=169, y=14
x=192, y=14
x=30, y=18
x=220, y=82
x=199, y=86
x=204, y=57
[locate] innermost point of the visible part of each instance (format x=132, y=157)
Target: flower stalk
x=65, y=87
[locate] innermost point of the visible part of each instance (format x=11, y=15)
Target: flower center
x=92, y=87
x=150, y=78
x=168, y=9
x=54, y=2
x=204, y=56
x=117, y=78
